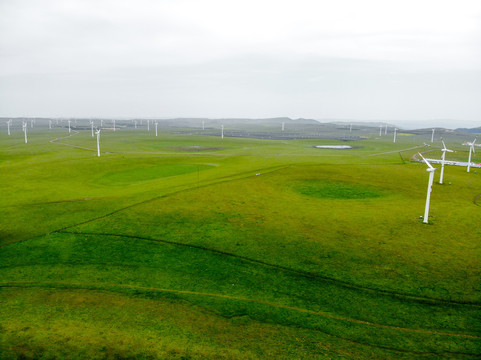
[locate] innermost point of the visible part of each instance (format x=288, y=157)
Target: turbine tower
x=92, y=127
x=444, y=149
x=395, y=132
x=8, y=126
x=432, y=136
x=69, y=127
x=156, y=128
x=431, y=171
x=471, y=149
x=98, y=142
x=24, y=125
x=222, y=131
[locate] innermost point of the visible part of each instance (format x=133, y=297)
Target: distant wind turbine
x=69, y=127
x=203, y=125
x=432, y=136
x=98, y=142
x=50, y=124
x=222, y=131
x=283, y=124
x=156, y=128
x=444, y=149
x=92, y=127
x=471, y=149
x=380, y=130
x=8, y=126
x=114, y=124
x=395, y=132
x=430, y=188
x=385, y=130
x=24, y=125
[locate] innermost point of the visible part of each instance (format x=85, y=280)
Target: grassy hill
x=188, y=246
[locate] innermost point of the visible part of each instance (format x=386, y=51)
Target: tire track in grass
x=186, y=187
x=305, y=274
x=112, y=288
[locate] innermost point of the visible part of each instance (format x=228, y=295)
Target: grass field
x=186, y=246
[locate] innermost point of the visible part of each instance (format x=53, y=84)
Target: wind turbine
x=385, y=130
x=114, y=124
x=156, y=128
x=444, y=149
x=24, y=125
x=430, y=188
x=395, y=131
x=203, y=125
x=380, y=130
x=471, y=149
x=8, y=126
x=50, y=124
x=98, y=142
x=283, y=123
x=222, y=131
x=69, y=127
x=432, y=136
x=92, y=127
x=148, y=125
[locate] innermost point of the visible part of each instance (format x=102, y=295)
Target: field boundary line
x=111, y=287
x=303, y=273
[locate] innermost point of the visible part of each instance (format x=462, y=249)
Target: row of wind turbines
x=432, y=169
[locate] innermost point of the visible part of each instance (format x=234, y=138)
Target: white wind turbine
x=50, y=124
x=24, y=125
x=92, y=127
x=385, y=130
x=380, y=130
x=114, y=124
x=444, y=149
x=222, y=131
x=69, y=127
x=395, y=132
x=471, y=149
x=430, y=188
x=432, y=136
x=283, y=124
x=8, y=126
x=98, y=141
x=156, y=128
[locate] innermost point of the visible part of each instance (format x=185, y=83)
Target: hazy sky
x=406, y=61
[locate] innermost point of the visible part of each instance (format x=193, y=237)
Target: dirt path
x=75, y=132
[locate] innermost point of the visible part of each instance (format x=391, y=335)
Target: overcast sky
x=409, y=62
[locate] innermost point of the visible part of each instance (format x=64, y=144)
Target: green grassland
x=186, y=246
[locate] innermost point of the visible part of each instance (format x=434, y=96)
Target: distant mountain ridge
x=471, y=130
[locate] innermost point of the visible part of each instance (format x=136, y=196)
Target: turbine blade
x=427, y=163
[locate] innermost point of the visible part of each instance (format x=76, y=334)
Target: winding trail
x=111, y=287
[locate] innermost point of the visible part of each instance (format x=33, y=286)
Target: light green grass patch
x=149, y=173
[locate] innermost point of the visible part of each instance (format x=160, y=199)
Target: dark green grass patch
x=336, y=190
